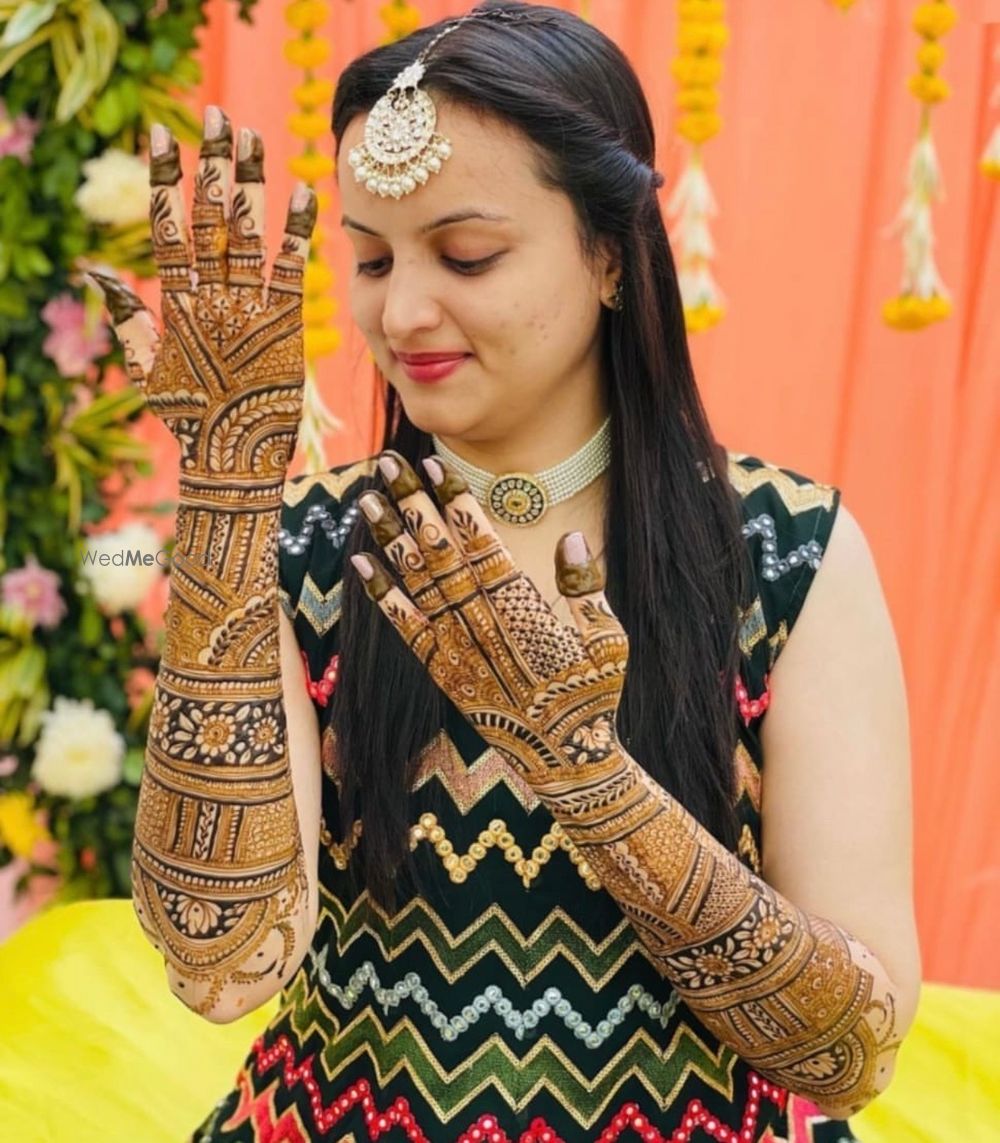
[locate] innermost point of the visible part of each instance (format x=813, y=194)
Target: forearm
x=796, y=996
x=219, y=881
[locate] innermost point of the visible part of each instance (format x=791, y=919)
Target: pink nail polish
x=159, y=140
x=388, y=467
x=434, y=470
x=575, y=547
x=363, y=566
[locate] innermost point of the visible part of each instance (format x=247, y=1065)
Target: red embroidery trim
x=752, y=708
x=322, y=688
x=486, y=1129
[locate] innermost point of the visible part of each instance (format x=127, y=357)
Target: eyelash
x=364, y=269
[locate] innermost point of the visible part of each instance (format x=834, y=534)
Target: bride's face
x=526, y=311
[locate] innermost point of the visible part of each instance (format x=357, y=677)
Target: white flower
x=78, y=752
x=115, y=188
x=122, y=566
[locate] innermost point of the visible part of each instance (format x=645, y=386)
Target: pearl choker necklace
x=522, y=498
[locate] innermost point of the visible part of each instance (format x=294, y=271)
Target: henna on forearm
x=798, y=997
x=220, y=882
x=219, y=877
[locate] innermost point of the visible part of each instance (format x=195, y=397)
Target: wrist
x=218, y=491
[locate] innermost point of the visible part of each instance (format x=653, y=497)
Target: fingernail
x=434, y=471
x=371, y=507
x=159, y=140
x=244, y=143
x=213, y=121
x=575, y=547
x=389, y=468
x=364, y=567
x=300, y=196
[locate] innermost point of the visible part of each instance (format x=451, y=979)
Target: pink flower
x=17, y=136
x=71, y=345
x=8, y=764
x=34, y=591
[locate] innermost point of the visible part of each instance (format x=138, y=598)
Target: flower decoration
x=21, y=828
x=77, y=338
x=33, y=591
x=923, y=297
x=115, y=190
x=122, y=566
x=78, y=753
x=17, y=135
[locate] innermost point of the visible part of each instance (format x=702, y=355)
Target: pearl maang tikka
x=401, y=148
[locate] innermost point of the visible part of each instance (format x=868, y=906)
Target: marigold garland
x=989, y=163
x=923, y=297
x=310, y=123
x=702, y=36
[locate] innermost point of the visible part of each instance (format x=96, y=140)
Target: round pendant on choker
x=516, y=498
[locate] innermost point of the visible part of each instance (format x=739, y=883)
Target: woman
x=504, y=856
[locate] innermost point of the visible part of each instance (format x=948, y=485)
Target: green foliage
x=93, y=75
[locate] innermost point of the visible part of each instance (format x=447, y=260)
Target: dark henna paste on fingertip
x=122, y=303
x=453, y=484
x=575, y=580
x=302, y=222
x=251, y=168
x=219, y=146
x=165, y=169
x=407, y=482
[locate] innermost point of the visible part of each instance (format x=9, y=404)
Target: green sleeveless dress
x=512, y=1002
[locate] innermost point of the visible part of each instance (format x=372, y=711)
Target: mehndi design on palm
x=542, y=692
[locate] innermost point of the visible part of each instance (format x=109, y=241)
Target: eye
x=372, y=269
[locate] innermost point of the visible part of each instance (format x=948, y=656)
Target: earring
x=618, y=297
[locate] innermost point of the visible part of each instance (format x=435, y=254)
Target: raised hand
x=227, y=372
x=542, y=692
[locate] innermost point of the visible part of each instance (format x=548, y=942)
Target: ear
x=609, y=264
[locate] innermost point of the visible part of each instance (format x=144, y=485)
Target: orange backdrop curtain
x=808, y=172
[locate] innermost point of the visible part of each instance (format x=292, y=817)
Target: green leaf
x=77, y=89
x=132, y=766
x=26, y=21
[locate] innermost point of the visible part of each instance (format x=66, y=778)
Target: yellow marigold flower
x=20, y=828
x=318, y=311
x=697, y=99
x=700, y=11
x=323, y=200
x=320, y=342
x=306, y=15
x=400, y=19
x=306, y=53
x=707, y=38
x=313, y=93
x=698, y=318
x=308, y=124
x=691, y=71
x=930, y=56
x=699, y=128
x=319, y=234
x=318, y=277
x=909, y=312
x=990, y=168
x=311, y=167
x=928, y=88
x=934, y=19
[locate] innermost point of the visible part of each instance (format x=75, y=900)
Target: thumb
x=581, y=581
x=133, y=324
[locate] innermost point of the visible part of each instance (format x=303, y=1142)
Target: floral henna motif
x=219, y=878
x=795, y=995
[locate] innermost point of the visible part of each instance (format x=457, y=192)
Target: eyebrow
x=447, y=220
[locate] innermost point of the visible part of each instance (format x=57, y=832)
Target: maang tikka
x=401, y=148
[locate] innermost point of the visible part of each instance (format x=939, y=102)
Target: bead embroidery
x=321, y=689
x=492, y=998
x=336, y=533
x=774, y=567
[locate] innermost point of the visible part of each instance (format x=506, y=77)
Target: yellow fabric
x=94, y=1048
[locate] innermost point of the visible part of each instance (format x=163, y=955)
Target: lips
x=429, y=358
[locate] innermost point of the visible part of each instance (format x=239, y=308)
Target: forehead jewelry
x=401, y=148
x=522, y=498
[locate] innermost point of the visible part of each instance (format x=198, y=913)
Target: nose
x=408, y=305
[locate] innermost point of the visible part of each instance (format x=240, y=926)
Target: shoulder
x=318, y=511
x=789, y=521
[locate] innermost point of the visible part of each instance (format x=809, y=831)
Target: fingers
x=290, y=261
x=414, y=628
x=403, y=554
x=171, y=248
x=580, y=579
x=491, y=563
x=246, y=218
x=133, y=325
x=443, y=559
x=211, y=198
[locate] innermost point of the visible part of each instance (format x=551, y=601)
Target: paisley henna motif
x=798, y=997
x=219, y=878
